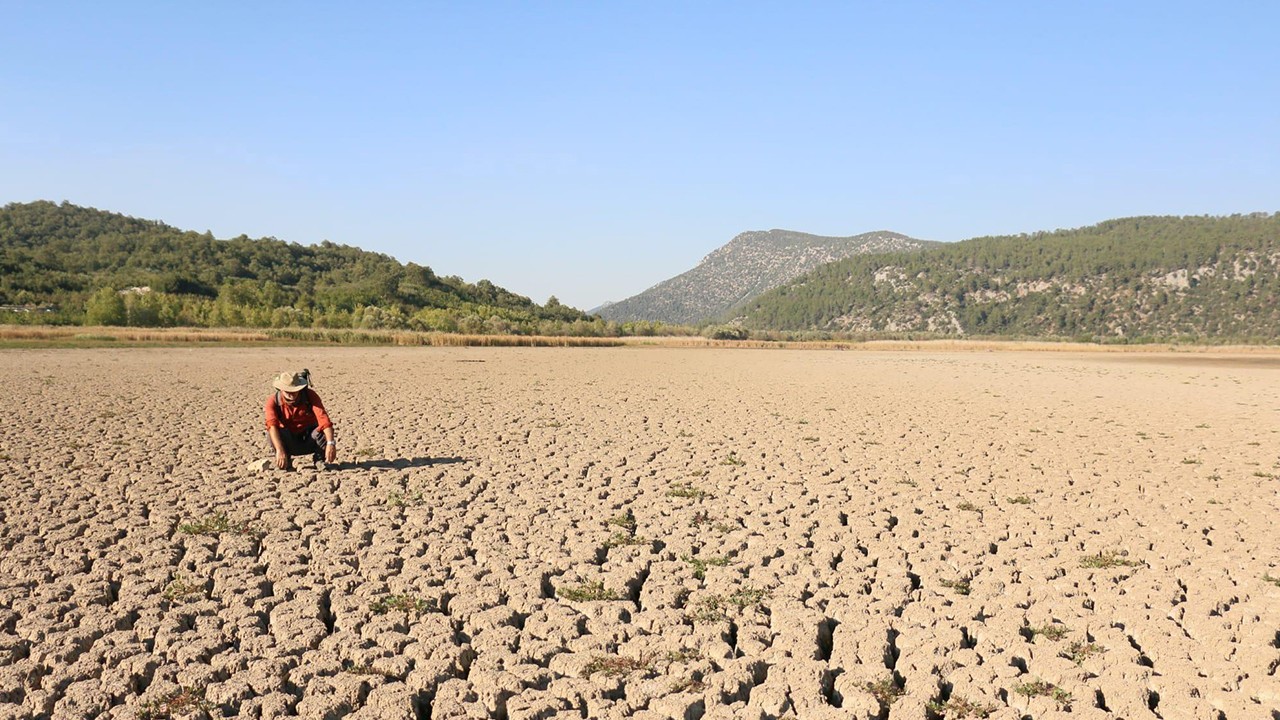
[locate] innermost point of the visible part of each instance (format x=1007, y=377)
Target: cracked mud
x=647, y=533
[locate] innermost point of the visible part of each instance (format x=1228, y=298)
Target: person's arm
x=273, y=431
x=326, y=425
x=330, y=450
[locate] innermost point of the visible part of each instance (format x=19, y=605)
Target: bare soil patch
x=641, y=532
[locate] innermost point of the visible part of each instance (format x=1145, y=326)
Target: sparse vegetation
x=1051, y=632
x=1266, y=577
x=1019, y=500
x=967, y=506
x=685, y=490
x=700, y=564
x=1078, y=652
x=960, y=586
x=396, y=499
x=732, y=459
x=587, y=592
x=181, y=589
x=215, y=525
x=1041, y=688
x=625, y=520
x=366, y=453
x=1107, y=559
x=404, y=603
x=715, y=608
x=624, y=538
x=885, y=690
x=957, y=708
x=180, y=702
x=1190, y=461
x=615, y=665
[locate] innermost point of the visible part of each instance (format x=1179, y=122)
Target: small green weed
x=724, y=527
x=1190, y=461
x=406, y=603
x=183, y=701
x=698, y=473
x=1078, y=652
x=1019, y=500
x=715, y=608
x=181, y=589
x=1107, y=559
x=958, y=707
x=396, y=499
x=732, y=459
x=685, y=490
x=967, y=506
x=885, y=691
x=624, y=538
x=960, y=586
x=1041, y=688
x=366, y=453
x=700, y=564
x=1266, y=577
x=625, y=520
x=1051, y=632
x=215, y=525
x=615, y=665
x=587, y=592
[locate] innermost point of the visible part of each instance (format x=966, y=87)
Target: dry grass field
x=643, y=533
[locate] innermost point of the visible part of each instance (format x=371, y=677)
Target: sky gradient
x=589, y=150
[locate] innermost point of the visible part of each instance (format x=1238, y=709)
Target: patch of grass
x=1264, y=475
x=908, y=483
x=685, y=490
x=366, y=453
x=885, y=691
x=1019, y=500
x=967, y=506
x=687, y=685
x=960, y=586
x=1078, y=652
x=1266, y=577
x=684, y=434
x=615, y=665
x=1107, y=559
x=715, y=608
x=958, y=707
x=683, y=655
x=724, y=527
x=809, y=438
x=700, y=564
x=587, y=592
x=181, y=589
x=624, y=538
x=1052, y=632
x=625, y=520
x=732, y=459
x=5, y=457
x=216, y=525
x=700, y=518
x=698, y=473
x=396, y=499
x=1190, y=461
x=802, y=421
x=183, y=701
x=1041, y=688
x=411, y=604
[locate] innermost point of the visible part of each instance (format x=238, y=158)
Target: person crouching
x=297, y=422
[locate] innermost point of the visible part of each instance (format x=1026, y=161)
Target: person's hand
x=330, y=453
x=282, y=460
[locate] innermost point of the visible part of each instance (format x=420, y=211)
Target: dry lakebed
x=643, y=533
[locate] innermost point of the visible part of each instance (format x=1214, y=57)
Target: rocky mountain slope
x=749, y=265
x=1202, y=278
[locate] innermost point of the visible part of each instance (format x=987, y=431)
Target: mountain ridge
x=750, y=264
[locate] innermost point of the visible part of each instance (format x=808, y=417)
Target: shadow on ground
x=397, y=463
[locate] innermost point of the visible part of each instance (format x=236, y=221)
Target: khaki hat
x=292, y=382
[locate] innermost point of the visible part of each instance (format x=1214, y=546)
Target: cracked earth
x=642, y=533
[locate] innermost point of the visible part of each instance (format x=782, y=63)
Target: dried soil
x=648, y=533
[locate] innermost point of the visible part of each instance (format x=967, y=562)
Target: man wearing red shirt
x=297, y=423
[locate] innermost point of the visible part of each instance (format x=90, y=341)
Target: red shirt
x=297, y=418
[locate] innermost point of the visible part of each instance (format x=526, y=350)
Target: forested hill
x=64, y=263
x=1203, y=278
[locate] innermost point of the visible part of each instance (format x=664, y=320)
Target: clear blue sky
x=591, y=149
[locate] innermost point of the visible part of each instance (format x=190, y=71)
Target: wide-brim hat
x=291, y=382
